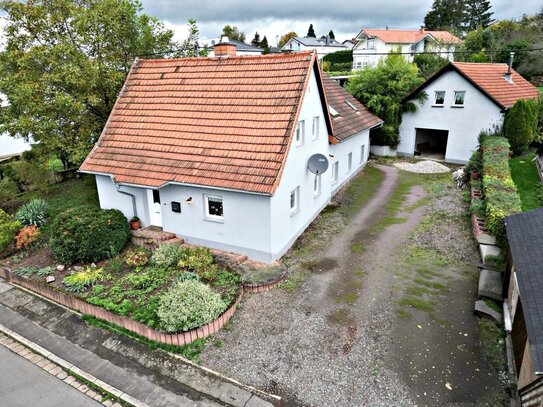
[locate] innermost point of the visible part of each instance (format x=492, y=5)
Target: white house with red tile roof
x=13, y=147
x=463, y=99
x=374, y=45
x=216, y=150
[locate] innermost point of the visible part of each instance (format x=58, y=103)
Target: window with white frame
x=335, y=172
x=300, y=129
x=439, y=98
x=213, y=207
x=362, y=153
x=349, y=162
x=371, y=43
x=315, y=128
x=459, y=97
x=317, y=185
x=295, y=200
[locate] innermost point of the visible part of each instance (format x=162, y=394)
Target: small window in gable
x=335, y=171
x=362, y=153
x=295, y=201
x=459, y=97
x=371, y=43
x=300, y=129
x=214, y=208
x=439, y=97
x=349, y=162
x=315, y=128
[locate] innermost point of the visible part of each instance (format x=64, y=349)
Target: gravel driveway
x=331, y=342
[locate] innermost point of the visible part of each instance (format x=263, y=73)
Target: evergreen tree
x=331, y=35
x=233, y=33
x=256, y=40
x=520, y=124
x=477, y=14
x=264, y=45
x=445, y=15
x=311, y=32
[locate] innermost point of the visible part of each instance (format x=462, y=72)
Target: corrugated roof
x=525, y=236
x=490, y=79
x=224, y=123
x=410, y=36
x=348, y=121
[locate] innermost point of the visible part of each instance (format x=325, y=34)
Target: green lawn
x=540, y=89
x=524, y=173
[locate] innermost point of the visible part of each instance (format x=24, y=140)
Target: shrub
x=33, y=213
x=136, y=257
x=198, y=260
x=167, y=255
x=8, y=189
x=501, y=197
x=81, y=280
x=188, y=305
x=86, y=234
x=520, y=125
x=26, y=236
x=186, y=276
x=8, y=229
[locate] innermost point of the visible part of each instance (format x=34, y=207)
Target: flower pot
x=135, y=224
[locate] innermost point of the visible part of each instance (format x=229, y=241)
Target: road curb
x=70, y=368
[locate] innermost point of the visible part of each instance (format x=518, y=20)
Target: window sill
x=294, y=212
x=315, y=196
x=438, y=105
x=457, y=106
x=216, y=220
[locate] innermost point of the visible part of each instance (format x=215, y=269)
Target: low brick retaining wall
x=258, y=288
x=177, y=339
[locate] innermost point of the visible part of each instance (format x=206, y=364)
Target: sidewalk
x=152, y=377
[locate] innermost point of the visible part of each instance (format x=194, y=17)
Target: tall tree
x=311, y=32
x=256, y=40
x=445, y=15
x=331, y=35
x=265, y=46
x=285, y=38
x=477, y=14
x=190, y=47
x=63, y=65
x=233, y=33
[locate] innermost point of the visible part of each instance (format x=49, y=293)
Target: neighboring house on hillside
x=463, y=99
x=219, y=152
x=524, y=291
x=349, y=44
x=374, y=45
x=13, y=147
x=241, y=48
x=323, y=46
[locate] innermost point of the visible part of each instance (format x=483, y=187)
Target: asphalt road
x=23, y=384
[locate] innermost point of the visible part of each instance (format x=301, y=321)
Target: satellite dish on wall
x=317, y=164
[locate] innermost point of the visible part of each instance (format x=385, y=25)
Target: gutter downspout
x=131, y=196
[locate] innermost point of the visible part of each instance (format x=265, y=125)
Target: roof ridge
x=285, y=55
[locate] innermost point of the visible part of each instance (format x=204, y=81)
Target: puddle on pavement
x=341, y=316
x=323, y=265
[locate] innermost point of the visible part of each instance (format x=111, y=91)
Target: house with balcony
x=373, y=45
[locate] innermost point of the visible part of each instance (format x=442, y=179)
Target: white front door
x=155, y=210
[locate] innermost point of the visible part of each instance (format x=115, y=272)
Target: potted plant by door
x=135, y=223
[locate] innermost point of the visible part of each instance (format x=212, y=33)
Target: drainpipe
x=131, y=196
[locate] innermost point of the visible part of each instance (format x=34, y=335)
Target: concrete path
x=153, y=377
x=23, y=384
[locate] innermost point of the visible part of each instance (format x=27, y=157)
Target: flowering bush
x=167, y=255
x=187, y=305
x=136, y=257
x=26, y=236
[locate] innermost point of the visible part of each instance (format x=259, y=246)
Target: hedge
x=340, y=57
x=87, y=234
x=500, y=192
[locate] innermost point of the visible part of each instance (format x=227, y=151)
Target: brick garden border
x=258, y=288
x=176, y=339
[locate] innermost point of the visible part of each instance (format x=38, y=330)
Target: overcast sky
x=277, y=17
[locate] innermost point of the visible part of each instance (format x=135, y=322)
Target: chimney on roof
x=224, y=49
x=508, y=76
x=386, y=28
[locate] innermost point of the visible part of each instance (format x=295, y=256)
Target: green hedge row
x=340, y=57
x=501, y=194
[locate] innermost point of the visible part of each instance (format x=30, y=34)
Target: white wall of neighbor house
x=244, y=226
x=111, y=198
x=287, y=224
x=359, y=146
x=12, y=146
x=463, y=123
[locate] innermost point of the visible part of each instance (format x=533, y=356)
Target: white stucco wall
x=341, y=151
x=10, y=146
x=463, y=123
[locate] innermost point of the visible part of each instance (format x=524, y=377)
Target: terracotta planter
x=135, y=224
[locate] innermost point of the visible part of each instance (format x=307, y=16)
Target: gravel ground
x=423, y=167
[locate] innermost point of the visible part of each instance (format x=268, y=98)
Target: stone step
x=485, y=238
x=488, y=250
x=490, y=284
x=176, y=240
x=481, y=309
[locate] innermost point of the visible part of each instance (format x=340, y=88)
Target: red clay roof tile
x=224, y=123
